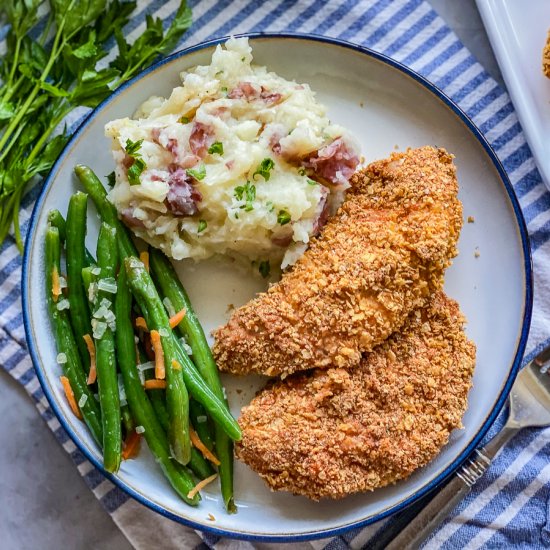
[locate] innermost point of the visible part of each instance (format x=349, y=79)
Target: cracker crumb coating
x=334, y=432
x=378, y=258
x=546, y=57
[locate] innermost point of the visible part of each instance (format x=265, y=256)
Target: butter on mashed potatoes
x=236, y=161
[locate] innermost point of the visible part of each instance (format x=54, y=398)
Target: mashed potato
x=236, y=161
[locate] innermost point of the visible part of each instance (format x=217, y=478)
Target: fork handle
x=443, y=503
x=431, y=516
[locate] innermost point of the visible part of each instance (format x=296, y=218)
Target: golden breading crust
x=330, y=433
x=546, y=57
x=379, y=258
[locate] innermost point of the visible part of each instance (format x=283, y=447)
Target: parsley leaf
x=202, y=226
x=199, y=174
x=138, y=165
x=312, y=182
x=183, y=120
x=152, y=42
x=283, y=217
x=132, y=147
x=216, y=147
x=264, y=268
x=135, y=171
x=111, y=179
x=248, y=192
x=264, y=169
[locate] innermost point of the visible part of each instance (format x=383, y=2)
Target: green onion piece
x=264, y=169
x=283, y=217
x=197, y=174
x=248, y=192
x=216, y=147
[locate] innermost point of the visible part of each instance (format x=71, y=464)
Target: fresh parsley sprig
x=138, y=164
x=59, y=68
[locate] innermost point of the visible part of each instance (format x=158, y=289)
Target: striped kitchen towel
x=510, y=503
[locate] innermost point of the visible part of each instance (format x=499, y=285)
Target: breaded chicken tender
x=546, y=57
x=334, y=432
x=378, y=258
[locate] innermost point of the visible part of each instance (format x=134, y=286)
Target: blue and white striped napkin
x=510, y=505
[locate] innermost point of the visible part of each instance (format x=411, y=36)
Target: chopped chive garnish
x=197, y=174
x=216, y=148
x=283, y=217
x=264, y=169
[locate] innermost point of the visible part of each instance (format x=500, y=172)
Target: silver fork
x=529, y=407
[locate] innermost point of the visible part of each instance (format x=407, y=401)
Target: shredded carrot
x=176, y=365
x=144, y=257
x=198, y=444
x=160, y=372
x=70, y=396
x=176, y=319
x=140, y=323
x=92, y=375
x=56, y=287
x=154, y=384
x=131, y=446
x=201, y=485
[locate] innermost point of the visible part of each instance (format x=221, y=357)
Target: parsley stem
x=15, y=62
x=15, y=219
x=13, y=88
x=40, y=143
x=18, y=131
x=5, y=216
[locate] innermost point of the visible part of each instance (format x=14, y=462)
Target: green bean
x=127, y=419
x=65, y=342
x=79, y=311
x=170, y=286
x=201, y=423
x=198, y=464
x=107, y=381
x=87, y=279
x=157, y=397
x=177, y=398
x=56, y=219
x=106, y=209
x=139, y=403
x=148, y=299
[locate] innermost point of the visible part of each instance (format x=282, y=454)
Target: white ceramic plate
x=388, y=108
x=517, y=31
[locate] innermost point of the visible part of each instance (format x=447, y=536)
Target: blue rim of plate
x=526, y=321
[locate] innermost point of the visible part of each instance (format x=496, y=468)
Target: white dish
x=387, y=107
x=517, y=31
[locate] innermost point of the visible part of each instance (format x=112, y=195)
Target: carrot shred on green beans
x=70, y=396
